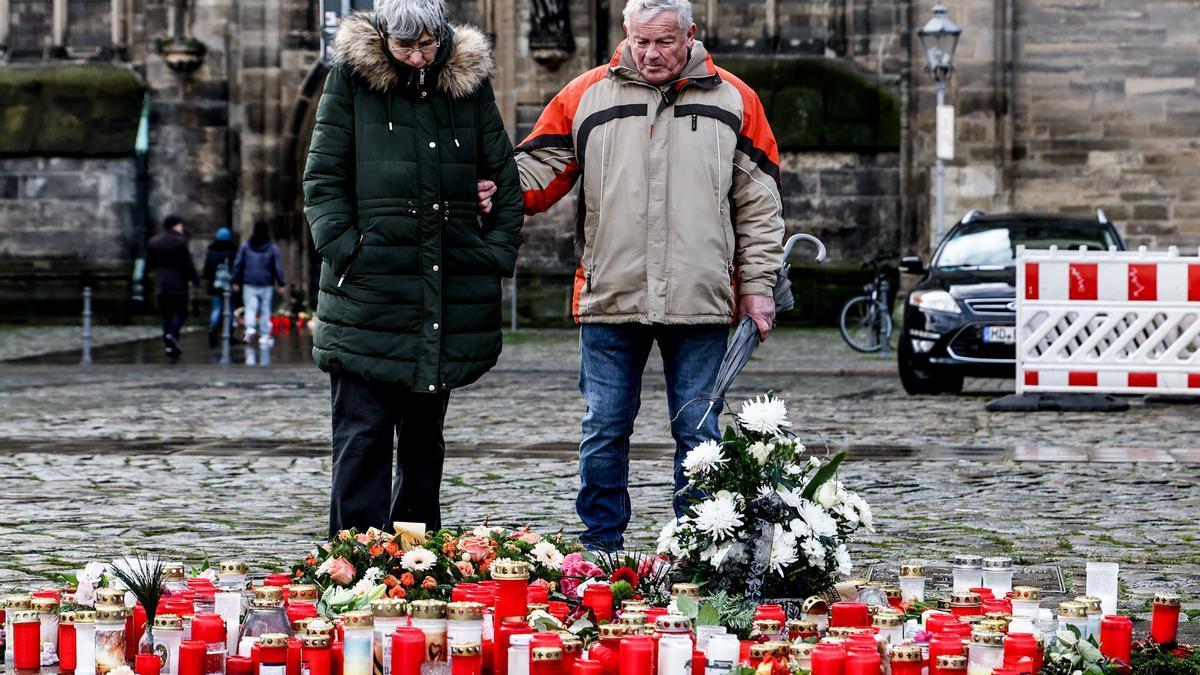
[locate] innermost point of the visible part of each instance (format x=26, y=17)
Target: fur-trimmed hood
x=459, y=74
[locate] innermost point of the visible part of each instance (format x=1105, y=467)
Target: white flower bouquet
x=767, y=517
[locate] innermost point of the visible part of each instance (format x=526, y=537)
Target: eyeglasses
x=426, y=49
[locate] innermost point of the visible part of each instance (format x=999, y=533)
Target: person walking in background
x=409, y=304
x=258, y=269
x=167, y=255
x=218, y=275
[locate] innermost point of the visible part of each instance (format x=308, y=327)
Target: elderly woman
x=409, y=302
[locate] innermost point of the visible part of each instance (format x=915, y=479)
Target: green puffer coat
x=410, y=274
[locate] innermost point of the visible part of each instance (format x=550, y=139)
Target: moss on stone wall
x=69, y=110
x=816, y=103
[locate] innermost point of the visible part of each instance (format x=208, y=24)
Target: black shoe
x=214, y=338
x=173, y=348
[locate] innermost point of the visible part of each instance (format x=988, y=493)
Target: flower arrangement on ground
x=635, y=575
x=357, y=567
x=766, y=516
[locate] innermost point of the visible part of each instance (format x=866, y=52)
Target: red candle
x=238, y=665
x=408, y=651
x=301, y=610
x=584, y=667
x=770, y=613
x=863, y=662
x=147, y=664
x=1116, y=638
x=945, y=644
x=465, y=659
x=537, y=594
x=192, y=654
x=317, y=656
x=294, y=646
x=699, y=662
x=27, y=640
x=828, y=659
x=997, y=606
x=637, y=655
x=135, y=625
x=337, y=655
x=1164, y=622
x=1019, y=646
x=861, y=641
x=849, y=614
x=508, y=628
x=512, y=588
x=907, y=660
x=605, y=657
x=559, y=609
x=984, y=593
x=545, y=639
x=462, y=592
x=545, y=661
x=652, y=613
x=66, y=643
x=598, y=598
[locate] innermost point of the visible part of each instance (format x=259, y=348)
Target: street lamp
x=939, y=39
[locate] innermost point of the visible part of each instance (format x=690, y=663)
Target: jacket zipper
x=353, y=257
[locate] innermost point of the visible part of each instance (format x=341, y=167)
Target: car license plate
x=1002, y=334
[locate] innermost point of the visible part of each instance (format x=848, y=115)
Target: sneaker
x=173, y=349
x=266, y=341
x=249, y=336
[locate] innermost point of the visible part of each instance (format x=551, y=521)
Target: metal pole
x=226, y=320
x=884, y=301
x=941, y=174
x=87, y=326
x=513, y=302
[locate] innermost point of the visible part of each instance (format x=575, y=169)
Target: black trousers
x=367, y=489
x=173, y=311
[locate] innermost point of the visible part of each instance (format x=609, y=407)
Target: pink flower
x=476, y=547
x=575, y=570
x=465, y=568
x=363, y=538
x=529, y=537
x=341, y=572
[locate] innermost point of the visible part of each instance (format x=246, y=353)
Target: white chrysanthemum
x=373, y=575
x=668, y=538
x=822, y=524
x=418, y=560
x=547, y=555
x=842, y=557
x=827, y=495
x=814, y=551
x=703, y=458
x=793, y=469
x=864, y=511
x=800, y=528
x=363, y=587
x=718, y=556
x=579, y=590
x=790, y=497
x=848, y=514
x=814, y=462
x=718, y=517
x=764, y=414
x=760, y=451
x=783, y=550
x=91, y=573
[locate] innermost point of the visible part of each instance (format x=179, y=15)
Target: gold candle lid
x=316, y=640
x=986, y=637
x=815, y=605
x=110, y=596
x=677, y=623
x=232, y=567
x=466, y=649
x=319, y=626
x=509, y=569
x=612, y=630
x=1072, y=610
x=952, y=661
x=267, y=596
x=907, y=654
x=839, y=631
x=634, y=605
x=887, y=620
x=1001, y=616
x=966, y=598
x=994, y=625
x=1093, y=603
x=25, y=616
x=802, y=650
x=546, y=654
x=1169, y=598
x=685, y=590
x=168, y=622
x=778, y=647
x=537, y=607
x=66, y=618
x=766, y=625
x=300, y=626
x=389, y=608
x=892, y=591
x=912, y=570
x=633, y=618
x=172, y=571
x=802, y=626
x=575, y=647
x=110, y=614
x=303, y=593
x=466, y=611
x=760, y=649
x=85, y=615
x=427, y=609
x=1026, y=593
x=360, y=618
x=272, y=640
x=43, y=604
x=18, y=602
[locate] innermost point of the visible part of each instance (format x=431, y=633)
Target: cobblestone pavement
x=20, y=342
x=232, y=462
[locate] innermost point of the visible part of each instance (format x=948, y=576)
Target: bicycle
x=866, y=320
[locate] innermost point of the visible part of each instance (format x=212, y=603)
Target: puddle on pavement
x=289, y=349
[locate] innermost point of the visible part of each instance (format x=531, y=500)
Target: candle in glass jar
x=907, y=660
x=1018, y=646
x=47, y=609
x=430, y=617
x=674, y=654
x=545, y=661
x=466, y=658
x=721, y=654
x=636, y=656
x=828, y=659
x=272, y=654
x=998, y=575
x=890, y=625
x=966, y=604
x=967, y=572
x=816, y=609
x=1073, y=614
x=315, y=656
x=598, y=598
x=518, y=653
x=389, y=614
x=801, y=654
x=408, y=651
x=358, y=636
x=109, y=638
x=1094, y=613
x=766, y=629
x=798, y=629
x=26, y=639
x=1116, y=638
x=1164, y=622
x=849, y=614
x=912, y=582
x=950, y=664
x=985, y=653
x=1025, y=601
x=66, y=642
x=512, y=587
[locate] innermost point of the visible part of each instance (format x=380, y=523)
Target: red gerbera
x=625, y=574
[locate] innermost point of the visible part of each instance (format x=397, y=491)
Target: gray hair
x=650, y=8
x=408, y=19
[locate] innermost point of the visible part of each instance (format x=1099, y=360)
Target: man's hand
x=486, y=189
x=282, y=291
x=761, y=308
x=236, y=288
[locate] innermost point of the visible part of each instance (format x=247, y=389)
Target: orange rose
x=392, y=548
x=429, y=583
x=397, y=593
x=407, y=579
x=375, y=550
x=391, y=581
x=343, y=535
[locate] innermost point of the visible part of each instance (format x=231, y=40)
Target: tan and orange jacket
x=679, y=208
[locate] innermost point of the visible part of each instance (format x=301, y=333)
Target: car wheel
x=929, y=380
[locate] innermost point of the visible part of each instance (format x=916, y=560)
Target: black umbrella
x=744, y=340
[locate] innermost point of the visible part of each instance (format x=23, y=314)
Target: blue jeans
x=257, y=300
x=610, y=378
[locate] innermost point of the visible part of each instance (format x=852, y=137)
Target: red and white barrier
x=1118, y=322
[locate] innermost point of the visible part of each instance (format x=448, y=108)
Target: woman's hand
x=486, y=189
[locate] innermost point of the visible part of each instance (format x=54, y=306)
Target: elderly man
x=679, y=229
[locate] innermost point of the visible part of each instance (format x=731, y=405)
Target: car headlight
x=934, y=301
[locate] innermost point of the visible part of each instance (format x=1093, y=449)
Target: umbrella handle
x=710, y=407
x=802, y=236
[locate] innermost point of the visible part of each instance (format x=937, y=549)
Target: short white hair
x=407, y=19
x=646, y=9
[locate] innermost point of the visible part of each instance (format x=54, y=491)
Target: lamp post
x=939, y=39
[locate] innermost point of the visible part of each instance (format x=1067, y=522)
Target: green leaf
x=730, y=434
x=708, y=616
x=1088, y=651
x=687, y=606
x=823, y=474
